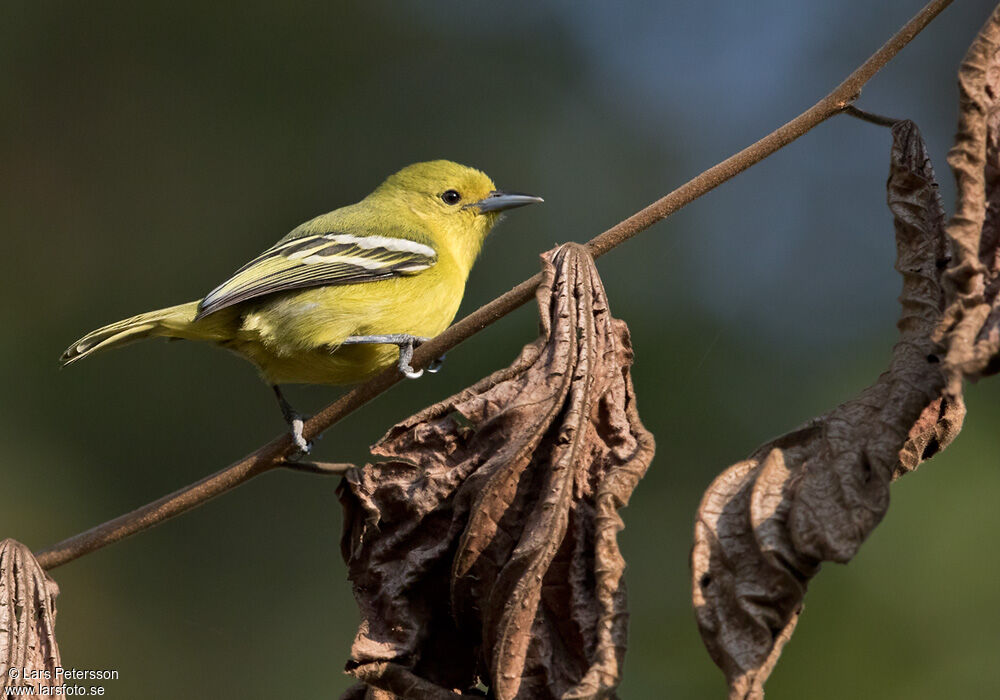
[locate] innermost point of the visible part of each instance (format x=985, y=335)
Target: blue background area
x=147, y=150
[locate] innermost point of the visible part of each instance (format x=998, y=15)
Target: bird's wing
x=318, y=260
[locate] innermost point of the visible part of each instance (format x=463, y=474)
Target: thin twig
x=274, y=453
x=861, y=114
x=325, y=468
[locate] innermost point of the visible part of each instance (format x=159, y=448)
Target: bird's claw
x=405, y=355
x=303, y=446
x=296, y=424
x=435, y=366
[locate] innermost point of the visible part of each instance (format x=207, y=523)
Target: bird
x=346, y=294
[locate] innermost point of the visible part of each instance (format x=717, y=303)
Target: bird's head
x=458, y=204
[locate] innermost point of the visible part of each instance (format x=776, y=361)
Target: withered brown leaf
x=486, y=548
x=28, y=649
x=813, y=495
x=971, y=331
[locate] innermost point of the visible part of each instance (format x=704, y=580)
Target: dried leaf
x=392, y=681
x=813, y=495
x=971, y=332
x=486, y=549
x=29, y=654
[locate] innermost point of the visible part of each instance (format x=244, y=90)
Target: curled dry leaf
x=486, y=549
x=813, y=495
x=27, y=620
x=971, y=331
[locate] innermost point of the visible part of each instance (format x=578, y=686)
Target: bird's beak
x=500, y=201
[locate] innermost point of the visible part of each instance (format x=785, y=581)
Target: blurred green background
x=148, y=149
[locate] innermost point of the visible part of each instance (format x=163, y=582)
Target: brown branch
x=274, y=453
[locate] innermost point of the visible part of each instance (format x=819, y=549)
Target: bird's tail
x=172, y=322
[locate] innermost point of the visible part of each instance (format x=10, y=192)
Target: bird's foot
x=406, y=344
x=406, y=355
x=296, y=423
x=303, y=446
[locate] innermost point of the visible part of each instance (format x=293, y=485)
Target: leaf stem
x=870, y=116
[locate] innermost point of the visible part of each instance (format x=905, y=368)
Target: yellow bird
x=344, y=295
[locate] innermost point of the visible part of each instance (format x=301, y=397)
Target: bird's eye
x=451, y=197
